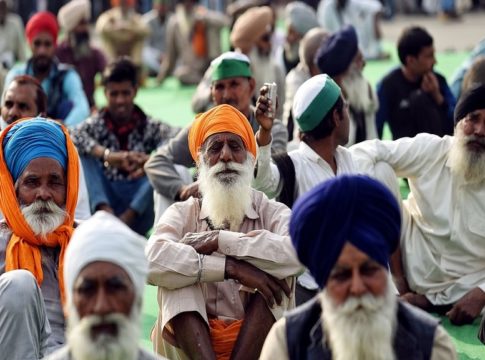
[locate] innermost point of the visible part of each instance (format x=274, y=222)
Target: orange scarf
x=199, y=41
x=23, y=250
x=224, y=336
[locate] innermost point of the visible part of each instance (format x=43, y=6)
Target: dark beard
x=41, y=64
x=80, y=45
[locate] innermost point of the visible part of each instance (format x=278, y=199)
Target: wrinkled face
x=43, y=51
x=354, y=275
x=120, y=96
x=235, y=91
x=224, y=147
x=264, y=44
x=43, y=179
x=474, y=125
x=19, y=102
x=424, y=62
x=103, y=288
x=292, y=36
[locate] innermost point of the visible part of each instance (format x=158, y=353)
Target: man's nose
x=13, y=113
x=479, y=129
x=102, y=305
x=226, y=153
x=43, y=193
x=357, y=286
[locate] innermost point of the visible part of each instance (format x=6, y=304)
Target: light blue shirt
x=72, y=90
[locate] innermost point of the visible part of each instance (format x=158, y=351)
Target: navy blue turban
x=355, y=208
x=336, y=53
x=33, y=139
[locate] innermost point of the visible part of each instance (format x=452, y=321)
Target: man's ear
x=336, y=118
x=252, y=84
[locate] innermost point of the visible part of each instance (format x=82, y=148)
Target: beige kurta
x=122, y=34
x=443, y=236
x=180, y=57
x=262, y=240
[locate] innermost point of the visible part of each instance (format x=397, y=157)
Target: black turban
x=471, y=100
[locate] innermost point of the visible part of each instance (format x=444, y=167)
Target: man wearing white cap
x=105, y=271
x=75, y=49
x=322, y=116
x=232, y=84
x=299, y=18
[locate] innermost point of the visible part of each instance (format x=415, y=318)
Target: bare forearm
x=193, y=336
x=258, y=320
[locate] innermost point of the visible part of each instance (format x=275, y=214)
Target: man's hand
x=430, y=85
x=468, y=308
x=120, y=160
x=187, y=191
x=264, y=116
x=205, y=242
x=137, y=160
x=401, y=285
x=250, y=276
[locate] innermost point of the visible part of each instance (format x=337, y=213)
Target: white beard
x=123, y=346
x=358, y=91
x=364, y=333
x=43, y=217
x=466, y=165
x=226, y=196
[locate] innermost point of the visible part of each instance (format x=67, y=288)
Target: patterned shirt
x=146, y=137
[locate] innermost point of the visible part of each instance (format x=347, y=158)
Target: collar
x=308, y=152
x=250, y=212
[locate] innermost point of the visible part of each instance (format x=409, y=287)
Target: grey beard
x=43, y=217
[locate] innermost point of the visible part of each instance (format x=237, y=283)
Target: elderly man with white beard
x=105, y=272
x=440, y=264
x=340, y=57
x=223, y=263
x=39, y=177
x=344, y=230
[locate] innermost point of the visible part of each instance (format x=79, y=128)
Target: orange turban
x=222, y=118
x=42, y=21
x=23, y=249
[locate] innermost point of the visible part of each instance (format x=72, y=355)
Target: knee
x=18, y=289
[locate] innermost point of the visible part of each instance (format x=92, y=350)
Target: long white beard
x=43, y=217
x=123, y=346
x=226, y=196
x=358, y=91
x=465, y=164
x=364, y=333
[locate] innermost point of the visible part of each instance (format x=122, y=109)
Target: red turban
x=42, y=21
x=222, y=118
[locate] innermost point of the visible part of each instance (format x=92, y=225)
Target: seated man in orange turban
x=223, y=263
x=38, y=194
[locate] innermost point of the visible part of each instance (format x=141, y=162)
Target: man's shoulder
x=395, y=74
x=262, y=203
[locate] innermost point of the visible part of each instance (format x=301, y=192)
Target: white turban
x=71, y=14
x=103, y=237
x=301, y=17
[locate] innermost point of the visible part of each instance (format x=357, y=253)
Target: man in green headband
x=232, y=84
x=322, y=116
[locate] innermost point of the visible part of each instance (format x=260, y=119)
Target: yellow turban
x=222, y=118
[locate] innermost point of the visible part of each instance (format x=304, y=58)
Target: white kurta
x=443, y=238
x=310, y=170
